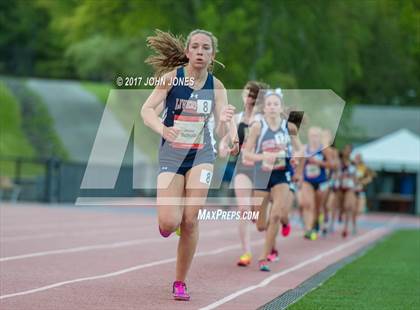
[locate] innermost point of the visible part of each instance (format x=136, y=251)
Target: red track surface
x=80, y=258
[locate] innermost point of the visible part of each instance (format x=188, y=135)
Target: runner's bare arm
x=329, y=158
x=159, y=108
x=327, y=163
x=152, y=104
x=367, y=177
x=223, y=113
x=224, y=146
x=251, y=142
x=294, y=137
x=299, y=156
x=335, y=160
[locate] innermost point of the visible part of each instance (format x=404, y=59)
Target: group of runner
x=272, y=165
x=332, y=188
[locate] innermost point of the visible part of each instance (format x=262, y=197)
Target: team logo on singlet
x=186, y=105
x=280, y=138
x=198, y=106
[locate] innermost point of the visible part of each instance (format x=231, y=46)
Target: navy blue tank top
x=314, y=173
x=274, y=141
x=190, y=111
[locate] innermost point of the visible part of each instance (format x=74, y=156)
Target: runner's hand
x=170, y=133
x=269, y=157
x=227, y=113
x=223, y=148
x=234, y=149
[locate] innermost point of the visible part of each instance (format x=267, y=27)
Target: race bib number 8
x=205, y=176
x=204, y=106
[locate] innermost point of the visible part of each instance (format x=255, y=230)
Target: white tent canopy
x=396, y=152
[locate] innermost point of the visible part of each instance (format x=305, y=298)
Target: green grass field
x=387, y=277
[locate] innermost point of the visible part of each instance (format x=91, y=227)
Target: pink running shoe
x=179, y=291
x=285, y=230
x=164, y=233
x=273, y=256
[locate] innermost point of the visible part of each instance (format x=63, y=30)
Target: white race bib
x=312, y=171
x=348, y=183
x=191, y=132
x=205, y=176
x=280, y=162
x=204, y=106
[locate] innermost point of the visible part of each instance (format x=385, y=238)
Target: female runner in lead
x=186, y=153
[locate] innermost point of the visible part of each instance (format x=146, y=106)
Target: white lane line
x=123, y=271
x=291, y=269
x=76, y=224
x=120, y=201
x=71, y=234
x=78, y=233
x=102, y=246
x=81, y=249
x=134, y=268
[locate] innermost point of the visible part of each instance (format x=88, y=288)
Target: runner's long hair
x=257, y=88
x=170, y=50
